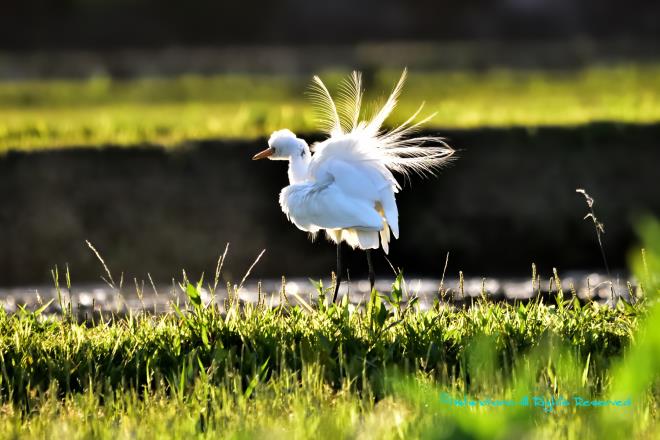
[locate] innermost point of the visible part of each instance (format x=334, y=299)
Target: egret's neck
x=298, y=167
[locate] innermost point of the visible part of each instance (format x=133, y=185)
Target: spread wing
x=345, y=162
x=315, y=206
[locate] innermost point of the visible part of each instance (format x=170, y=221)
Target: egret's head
x=283, y=145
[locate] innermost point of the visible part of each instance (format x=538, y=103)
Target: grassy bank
x=386, y=370
x=101, y=111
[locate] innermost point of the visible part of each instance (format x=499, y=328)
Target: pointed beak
x=264, y=154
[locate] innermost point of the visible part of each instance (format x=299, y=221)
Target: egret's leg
x=372, y=274
x=338, y=274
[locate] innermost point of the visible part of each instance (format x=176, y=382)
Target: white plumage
x=346, y=188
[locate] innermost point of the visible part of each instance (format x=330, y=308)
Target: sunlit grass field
x=312, y=369
x=169, y=111
x=325, y=371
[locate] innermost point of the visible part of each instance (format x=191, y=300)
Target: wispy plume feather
x=373, y=126
x=350, y=101
x=397, y=149
x=326, y=110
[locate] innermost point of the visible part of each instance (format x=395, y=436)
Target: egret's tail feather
x=350, y=102
x=326, y=110
x=385, y=238
x=373, y=127
x=356, y=238
x=397, y=149
x=367, y=239
x=342, y=116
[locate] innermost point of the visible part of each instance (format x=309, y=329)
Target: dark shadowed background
x=105, y=24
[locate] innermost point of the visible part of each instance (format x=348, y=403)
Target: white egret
x=346, y=188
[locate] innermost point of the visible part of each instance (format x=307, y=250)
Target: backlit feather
x=350, y=101
x=396, y=149
x=326, y=110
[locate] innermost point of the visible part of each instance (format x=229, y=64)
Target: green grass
x=100, y=111
x=320, y=370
